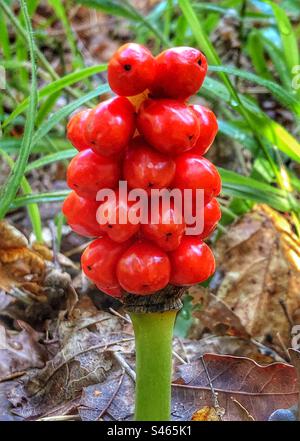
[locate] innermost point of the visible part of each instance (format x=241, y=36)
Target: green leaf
x=33, y=209
x=56, y=86
x=244, y=187
x=112, y=7
x=66, y=111
x=12, y=184
x=266, y=130
x=288, y=37
x=125, y=9
x=283, y=96
x=49, y=159
x=41, y=198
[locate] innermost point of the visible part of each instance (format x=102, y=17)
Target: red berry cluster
x=154, y=139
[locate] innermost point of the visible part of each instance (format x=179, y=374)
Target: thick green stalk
x=153, y=339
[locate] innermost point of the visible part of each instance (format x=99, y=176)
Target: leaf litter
x=77, y=362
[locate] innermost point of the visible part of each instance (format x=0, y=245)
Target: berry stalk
x=153, y=341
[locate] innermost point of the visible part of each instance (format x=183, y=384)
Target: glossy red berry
x=147, y=168
x=131, y=70
x=143, y=269
x=212, y=215
x=81, y=215
x=195, y=172
x=208, y=129
x=118, y=225
x=99, y=263
x=76, y=130
x=192, y=262
x=168, y=125
x=110, y=126
x=168, y=231
x=88, y=173
x=180, y=72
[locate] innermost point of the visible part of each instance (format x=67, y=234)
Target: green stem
x=153, y=340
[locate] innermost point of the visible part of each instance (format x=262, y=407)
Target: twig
x=286, y=312
x=282, y=344
x=219, y=410
x=268, y=350
x=179, y=357
x=12, y=376
x=54, y=245
x=77, y=249
x=243, y=410
x=121, y=360
x=113, y=396
x=114, y=312
x=61, y=418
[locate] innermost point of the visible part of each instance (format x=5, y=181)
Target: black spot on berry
x=109, y=226
x=89, y=267
x=199, y=62
x=169, y=234
x=191, y=137
x=150, y=184
x=127, y=67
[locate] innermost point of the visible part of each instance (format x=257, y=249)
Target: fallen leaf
x=19, y=352
x=215, y=315
x=192, y=350
x=259, y=262
x=295, y=360
x=259, y=389
x=84, y=359
x=20, y=266
x=205, y=414
x=113, y=400
x=5, y=405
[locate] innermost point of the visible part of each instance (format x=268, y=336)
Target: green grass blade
x=244, y=187
x=41, y=198
x=4, y=37
x=125, y=9
x=56, y=86
x=33, y=209
x=60, y=12
x=288, y=37
x=283, y=96
x=66, y=111
x=12, y=185
x=49, y=159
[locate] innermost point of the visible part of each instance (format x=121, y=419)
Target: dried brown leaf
x=19, y=352
x=82, y=360
x=259, y=389
x=259, y=260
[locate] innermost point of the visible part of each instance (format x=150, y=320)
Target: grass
x=39, y=100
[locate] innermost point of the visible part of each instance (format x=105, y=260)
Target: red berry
x=146, y=168
x=194, y=172
x=81, y=215
x=110, y=126
x=167, y=234
x=76, y=130
x=87, y=173
x=143, y=269
x=212, y=215
x=99, y=262
x=168, y=125
x=192, y=262
x=113, y=210
x=208, y=129
x=180, y=72
x=131, y=70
